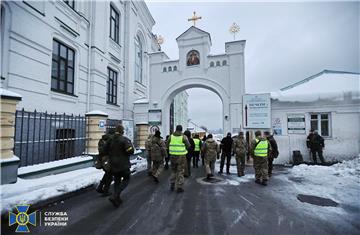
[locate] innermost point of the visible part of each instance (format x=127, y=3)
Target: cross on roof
x=194, y=18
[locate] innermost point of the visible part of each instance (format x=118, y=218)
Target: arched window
x=217, y=63
x=138, y=60
x=193, y=58
x=175, y=68
x=169, y=69
x=224, y=62
x=164, y=69
x=212, y=64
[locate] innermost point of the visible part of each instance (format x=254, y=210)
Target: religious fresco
x=193, y=58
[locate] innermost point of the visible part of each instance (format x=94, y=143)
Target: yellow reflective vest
x=261, y=149
x=176, y=146
x=197, y=145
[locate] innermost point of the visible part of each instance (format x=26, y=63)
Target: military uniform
x=119, y=148
x=210, y=149
x=157, y=152
x=240, y=149
x=197, y=150
x=102, y=160
x=177, y=145
x=316, y=146
x=260, y=149
x=274, y=153
x=148, y=159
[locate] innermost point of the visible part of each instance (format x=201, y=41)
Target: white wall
x=29, y=54
x=344, y=126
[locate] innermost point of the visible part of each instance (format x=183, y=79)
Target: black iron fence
x=43, y=137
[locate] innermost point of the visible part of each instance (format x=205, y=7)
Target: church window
x=114, y=24
x=193, y=58
x=169, y=69
x=217, y=63
x=164, y=69
x=224, y=62
x=138, y=60
x=212, y=64
x=175, y=68
x=111, y=93
x=62, y=68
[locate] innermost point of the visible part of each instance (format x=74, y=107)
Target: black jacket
x=316, y=142
x=119, y=148
x=226, y=144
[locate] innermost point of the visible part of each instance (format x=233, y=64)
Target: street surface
x=226, y=207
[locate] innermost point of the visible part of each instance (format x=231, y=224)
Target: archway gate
x=222, y=74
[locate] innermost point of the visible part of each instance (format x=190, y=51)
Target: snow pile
x=339, y=182
x=53, y=164
x=31, y=191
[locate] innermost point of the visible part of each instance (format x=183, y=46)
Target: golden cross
x=194, y=18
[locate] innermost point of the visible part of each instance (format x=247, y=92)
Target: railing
x=43, y=137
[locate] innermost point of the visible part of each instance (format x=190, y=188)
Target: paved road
x=247, y=208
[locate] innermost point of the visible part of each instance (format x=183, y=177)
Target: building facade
x=77, y=56
x=181, y=110
x=328, y=102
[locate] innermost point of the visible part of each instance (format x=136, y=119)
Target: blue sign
x=22, y=218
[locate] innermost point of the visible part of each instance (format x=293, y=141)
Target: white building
x=328, y=102
x=77, y=56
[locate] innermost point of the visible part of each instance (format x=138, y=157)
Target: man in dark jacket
x=197, y=150
x=274, y=153
x=316, y=146
x=103, y=159
x=190, y=153
x=119, y=148
x=226, y=147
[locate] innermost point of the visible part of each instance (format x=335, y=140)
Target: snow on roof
x=326, y=85
x=141, y=101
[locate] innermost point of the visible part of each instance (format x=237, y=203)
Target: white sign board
x=257, y=111
x=296, y=124
x=128, y=129
x=155, y=117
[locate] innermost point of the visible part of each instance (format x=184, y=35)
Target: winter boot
x=172, y=187
x=116, y=201
x=156, y=180
x=180, y=190
x=257, y=181
x=264, y=182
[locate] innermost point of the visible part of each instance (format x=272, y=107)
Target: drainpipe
x=126, y=56
x=89, y=58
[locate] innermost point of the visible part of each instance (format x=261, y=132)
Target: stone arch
x=193, y=82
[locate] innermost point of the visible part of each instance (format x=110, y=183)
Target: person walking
x=274, y=153
x=167, y=158
x=211, y=150
x=226, y=147
x=157, y=151
x=148, y=158
x=260, y=148
x=197, y=151
x=190, y=154
x=240, y=148
x=316, y=146
x=177, y=145
x=119, y=149
x=102, y=162
x=308, y=140
x=202, y=153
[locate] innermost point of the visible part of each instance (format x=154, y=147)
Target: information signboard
x=296, y=124
x=257, y=111
x=155, y=117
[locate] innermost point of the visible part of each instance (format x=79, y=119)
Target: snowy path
x=238, y=206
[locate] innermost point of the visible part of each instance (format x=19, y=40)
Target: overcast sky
x=285, y=42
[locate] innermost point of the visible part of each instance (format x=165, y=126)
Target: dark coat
x=119, y=148
x=191, y=149
x=274, y=147
x=316, y=142
x=226, y=144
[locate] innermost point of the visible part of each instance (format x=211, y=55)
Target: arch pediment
x=193, y=32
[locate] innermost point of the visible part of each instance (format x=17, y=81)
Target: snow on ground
x=53, y=164
x=339, y=182
x=31, y=191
